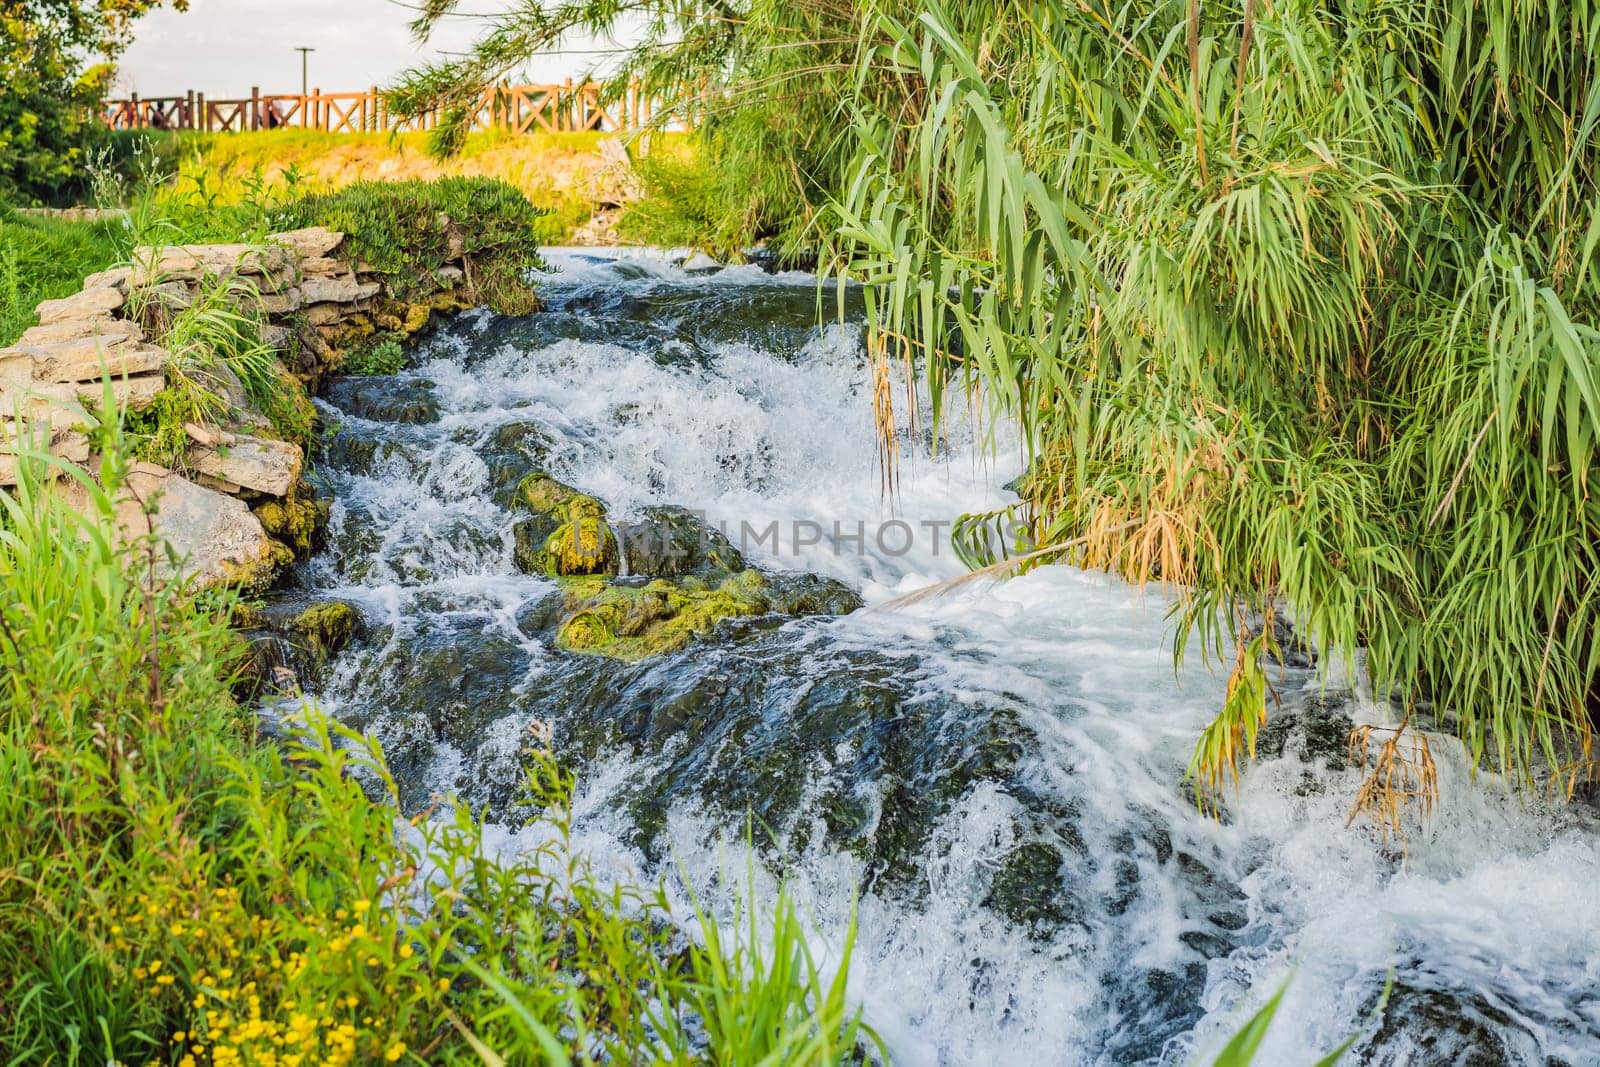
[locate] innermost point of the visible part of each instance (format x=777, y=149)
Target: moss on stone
x=571, y=535
x=256, y=575
x=581, y=545
x=631, y=622
x=543, y=495
x=294, y=522
x=326, y=628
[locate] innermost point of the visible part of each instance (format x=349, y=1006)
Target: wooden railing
x=518, y=108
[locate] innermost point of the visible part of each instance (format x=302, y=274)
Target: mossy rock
x=292, y=641
x=672, y=541
x=531, y=535
x=259, y=574
x=629, y=622
x=579, y=546
x=510, y=452
x=544, y=495
x=409, y=401
x=295, y=522
x=568, y=534
x=326, y=628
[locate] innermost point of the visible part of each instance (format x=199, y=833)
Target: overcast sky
x=223, y=47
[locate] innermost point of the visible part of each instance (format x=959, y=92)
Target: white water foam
x=1497, y=899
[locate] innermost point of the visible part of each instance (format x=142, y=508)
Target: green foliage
x=684, y=205
x=381, y=355
x=49, y=91
x=175, y=889
x=404, y=230
x=1273, y=320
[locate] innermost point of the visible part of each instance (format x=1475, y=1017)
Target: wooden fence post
x=319, y=105
x=255, y=107
x=203, y=122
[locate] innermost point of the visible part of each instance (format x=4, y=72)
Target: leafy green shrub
x=685, y=205
x=383, y=355
x=405, y=230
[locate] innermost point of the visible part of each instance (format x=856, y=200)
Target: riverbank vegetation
x=1294, y=304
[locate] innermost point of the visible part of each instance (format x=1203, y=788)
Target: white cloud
x=223, y=47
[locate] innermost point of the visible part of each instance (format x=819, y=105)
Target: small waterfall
x=993, y=778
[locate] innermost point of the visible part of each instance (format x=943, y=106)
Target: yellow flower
x=180, y=1036
x=444, y=985
x=394, y=1051
x=406, y=952
x=361, y=906
x=372, y=961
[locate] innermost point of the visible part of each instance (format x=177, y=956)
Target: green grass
x=175, y=890
x=46, y=259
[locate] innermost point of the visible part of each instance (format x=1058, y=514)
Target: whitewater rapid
x=1168, y=926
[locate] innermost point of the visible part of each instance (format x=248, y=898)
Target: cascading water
x=998, y=773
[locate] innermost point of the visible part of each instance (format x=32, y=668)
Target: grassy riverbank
x=569, y=174
x=177, y=888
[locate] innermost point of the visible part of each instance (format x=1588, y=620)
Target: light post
x=303, y=82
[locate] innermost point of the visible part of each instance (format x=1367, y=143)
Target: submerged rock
x=511, y=452
x=386, y=399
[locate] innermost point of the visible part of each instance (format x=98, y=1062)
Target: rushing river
x=995, y=776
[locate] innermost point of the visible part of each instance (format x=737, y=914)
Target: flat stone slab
x=88, y=358
x=337, y=290
x=266, y=466
x=103, y=327
x=190, y=262
x=86, y=303
x=63, y=444
x=312, y=242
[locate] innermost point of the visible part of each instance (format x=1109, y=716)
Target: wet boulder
x=567, y=533
x=669, y=542
x=386, y=399
x=291, y=642
x=810, y=594
x=511, y=452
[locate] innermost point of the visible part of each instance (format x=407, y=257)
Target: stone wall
x=235, y=508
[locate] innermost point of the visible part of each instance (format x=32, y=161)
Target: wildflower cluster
x=295, y=986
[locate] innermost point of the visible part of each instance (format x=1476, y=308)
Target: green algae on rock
x=630, y=622
x=294, y=521
x=568, y=534
x=327, y=627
